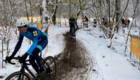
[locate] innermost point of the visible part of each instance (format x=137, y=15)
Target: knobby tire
x=50, y=62
x=15, y=76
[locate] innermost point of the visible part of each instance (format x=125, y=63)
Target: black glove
x=9, y=58
x=23, y=58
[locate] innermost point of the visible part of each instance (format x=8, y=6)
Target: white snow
x=109, y=63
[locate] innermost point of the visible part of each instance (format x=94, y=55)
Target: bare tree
x=7, y=21
x=137, y=2
x=55, y=11
x=118, y=14
x=26, y=10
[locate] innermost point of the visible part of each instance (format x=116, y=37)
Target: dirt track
x=74, y=63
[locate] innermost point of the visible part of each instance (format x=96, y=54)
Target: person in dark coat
x=72, y=24
x=86, y=21
x=128, y=21
x=123, y=24
x=94, y=22
x=105, y=21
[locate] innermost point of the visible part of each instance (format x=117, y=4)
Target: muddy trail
x=74, y=63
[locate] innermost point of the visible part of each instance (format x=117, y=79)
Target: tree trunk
x=31, y=12
x=118, y=14
x=117, y=22
x=69, y=7
x=26, y=10
x=54, y=15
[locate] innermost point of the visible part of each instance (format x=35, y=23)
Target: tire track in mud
x=75, y=62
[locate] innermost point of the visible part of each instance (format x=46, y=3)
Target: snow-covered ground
x=109, y=63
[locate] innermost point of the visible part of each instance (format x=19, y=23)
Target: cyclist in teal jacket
x=39, y=40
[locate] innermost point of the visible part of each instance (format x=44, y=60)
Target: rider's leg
x=37, y=58
x=74, y=30
x=70, y=30
x=33, y=63
x=41, y=45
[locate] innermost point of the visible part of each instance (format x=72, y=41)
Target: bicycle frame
x=24, y=66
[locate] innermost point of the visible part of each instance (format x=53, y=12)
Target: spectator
x=127, y=22
x=105, y=20
x=123, y=22
x=86, y=19
x=94, y=22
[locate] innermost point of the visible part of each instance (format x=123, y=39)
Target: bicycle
x=49, y=65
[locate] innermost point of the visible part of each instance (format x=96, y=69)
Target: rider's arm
x=18, y=45
x=34, y=44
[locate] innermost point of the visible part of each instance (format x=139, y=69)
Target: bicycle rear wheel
x=50, y=67
x=18, y=76
x=73, y=32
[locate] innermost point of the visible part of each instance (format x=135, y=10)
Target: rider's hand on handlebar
x=23, y=58
x=9, y=58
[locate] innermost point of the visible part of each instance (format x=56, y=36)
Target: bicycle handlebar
x=17, y=58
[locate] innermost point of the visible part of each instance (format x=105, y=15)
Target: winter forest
x=107, y=21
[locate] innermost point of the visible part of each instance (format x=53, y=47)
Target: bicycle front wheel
x=18, y=76
x=50, y=66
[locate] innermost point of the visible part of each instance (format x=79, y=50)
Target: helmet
x=22, y=23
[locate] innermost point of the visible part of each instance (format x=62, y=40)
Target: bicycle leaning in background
x=49, y=67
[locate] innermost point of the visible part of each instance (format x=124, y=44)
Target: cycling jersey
x=34, y=34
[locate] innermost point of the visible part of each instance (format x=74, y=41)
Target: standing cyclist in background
x=39, y=40
x=72, y=24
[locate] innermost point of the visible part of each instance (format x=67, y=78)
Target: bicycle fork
x=21, y=76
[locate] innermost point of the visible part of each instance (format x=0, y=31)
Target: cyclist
x=72, y=24
x=39, y=40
